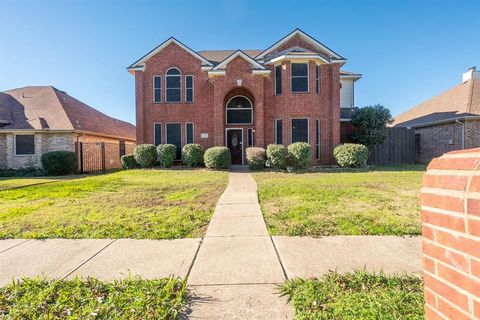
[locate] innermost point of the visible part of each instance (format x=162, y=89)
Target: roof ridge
x=55, y=90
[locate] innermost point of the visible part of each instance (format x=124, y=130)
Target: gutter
x=427, y=124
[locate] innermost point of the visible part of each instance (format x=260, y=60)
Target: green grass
x=9, y=183
x=383, y=201
x=356, y=296
x=141, y=204
x=93, y=299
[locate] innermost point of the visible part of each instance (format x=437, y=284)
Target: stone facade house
x=38, y=119
x=292, y=91
x=448, y=121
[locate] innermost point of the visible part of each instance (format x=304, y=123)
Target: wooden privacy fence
x=99, y=157
x=398, y=148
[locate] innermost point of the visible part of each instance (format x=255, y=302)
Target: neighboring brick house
x=449, y=121
x=292, y=91
x=38, y=119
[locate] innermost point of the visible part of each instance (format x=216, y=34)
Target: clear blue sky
x=407, y=50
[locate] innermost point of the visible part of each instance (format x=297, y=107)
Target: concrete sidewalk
x=234, y=271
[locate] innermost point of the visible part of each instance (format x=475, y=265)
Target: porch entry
x=235, y=144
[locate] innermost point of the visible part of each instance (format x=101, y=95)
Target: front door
x=235, y=144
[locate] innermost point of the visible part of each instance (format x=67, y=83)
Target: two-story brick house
x=289, y=92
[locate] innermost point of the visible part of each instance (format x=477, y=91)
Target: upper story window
x=239, y=111
x=189, y=88
x=317, y=79
x=173, y=80
x=278, y=79
x=299, y=77
x=157, y=89
x=24, y=144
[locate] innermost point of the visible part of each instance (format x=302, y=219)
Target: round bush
x=144, y=155
x=166, y=154
x=59, y=163
x=300, y=154
x=351, y=155
x=277, y=155
x=217, y=158
x=128, y=161
x=192, y=155
x=256, y=158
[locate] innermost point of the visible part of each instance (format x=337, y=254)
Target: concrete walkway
x=234, y=271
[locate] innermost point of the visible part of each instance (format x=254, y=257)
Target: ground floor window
x=189, y=132
x=250, y=137
x=24, y=144
x=157, y=134
x=174, y=136
x=299, y=130
x=317, y=139
x=121, y=148
x=278, y=131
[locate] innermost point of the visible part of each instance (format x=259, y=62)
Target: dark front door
x=174, y=136
x=235, y=144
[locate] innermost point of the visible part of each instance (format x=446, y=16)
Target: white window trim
x=193, y=88
x=161, y=129
x=248, y=134
x=243, y=146
x=153, y=86
x=226, y=111
x=166, y=81
x=308, y=128
x=275, y=79
x=317, y=143
x=193, y=132
x=308, y=77
x=276, y=130
x=34, y=144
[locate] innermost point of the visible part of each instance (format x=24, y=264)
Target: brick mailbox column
x=451, y=236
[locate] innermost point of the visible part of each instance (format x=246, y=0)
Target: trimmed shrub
x=351, y=155
x=24, y=172
x=59, y=163
x=256, y=158
x=299, y=153
x=217, y=158
x=144, y=155
x=192, y=154
x=277, y=155
x=166, y=154
x=128, y=161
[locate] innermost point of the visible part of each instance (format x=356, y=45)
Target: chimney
x=472, y=73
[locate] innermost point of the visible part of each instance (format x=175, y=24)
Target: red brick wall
x=451, y=236
x=207, y=112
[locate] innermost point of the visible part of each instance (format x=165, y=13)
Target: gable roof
x=239, y=53
x=140, y=63
x=461, y=101
x=306, y=37
x=47, y=108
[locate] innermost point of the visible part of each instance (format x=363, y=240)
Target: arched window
x=173, y=85
x=239, y=111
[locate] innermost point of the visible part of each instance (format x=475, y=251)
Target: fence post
x=102, y=145
x=80, y=147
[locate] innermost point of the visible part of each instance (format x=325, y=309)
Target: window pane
x=299, y=84
x=157, y=135
x=158, y=95
x=189, y=82
x=189, y=133
x=317, y=138
x=278, y=79
x=317, y=82
x=174, y=136
x=173, y=95
x=157, y=82
x=173, y=71
x=279, y=132
x=173, y=82
x=25, y=144
x=299, y=69
x=189, y=95
x=299, y=130
x=239, y=116
x=250, y=137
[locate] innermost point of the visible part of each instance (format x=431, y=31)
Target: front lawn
x=356, y=296
x=93, y=299
x=141, y=204
x=384, y=201
x=15, y=182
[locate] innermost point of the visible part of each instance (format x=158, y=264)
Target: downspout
x=463, y=132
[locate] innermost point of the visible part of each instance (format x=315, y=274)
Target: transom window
x=299, y=77
x=24, y=144
x=173, y=80
x=239, y=111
